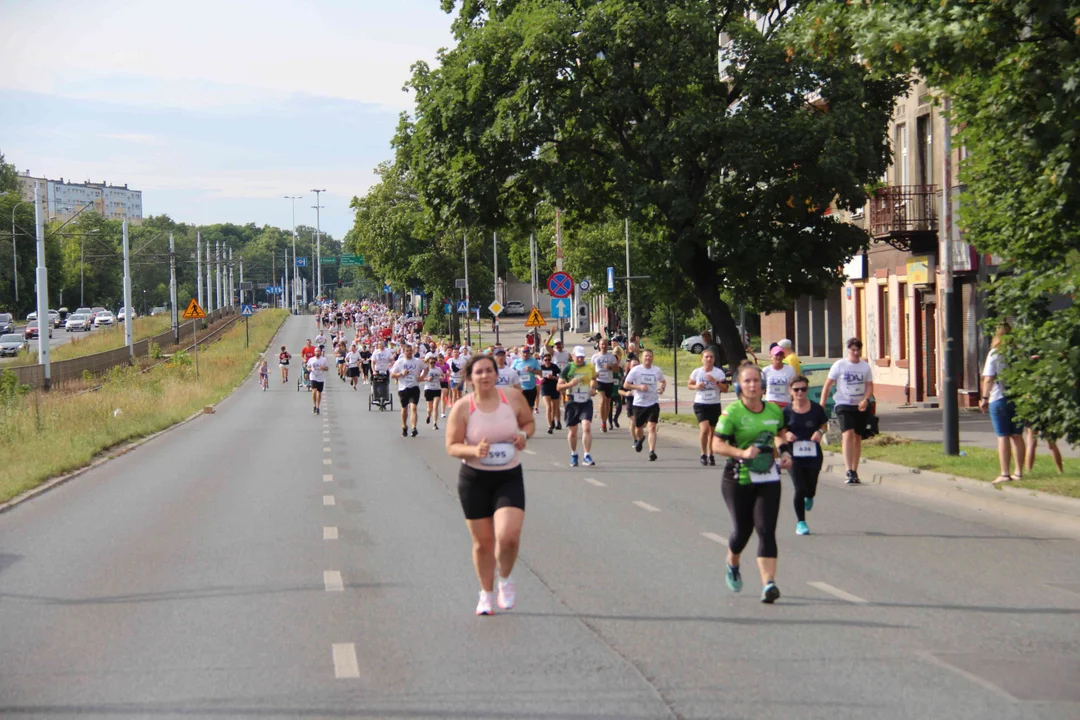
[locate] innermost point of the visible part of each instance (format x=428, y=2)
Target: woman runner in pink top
x=488, y=429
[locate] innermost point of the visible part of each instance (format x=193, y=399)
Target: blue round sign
x=560, y=284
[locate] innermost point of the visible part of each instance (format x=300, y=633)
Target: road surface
x=265, y=562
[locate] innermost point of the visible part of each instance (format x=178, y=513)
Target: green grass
x=979, y=463
x=43, y=435
x=686, y=419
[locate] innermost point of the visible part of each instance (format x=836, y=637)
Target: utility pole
x=495, y=255
x=559, y=258
x=128, y=334
x=241, y=281
x=318, y=243
x=292, y=301
x=273, y=269
x=208, y=307
x=950, y=412
x=44, y=327
x=172, y=292
x=198, y=266
x=629, y=315
x=217, y=275
x=232, y=287
x=468, y=304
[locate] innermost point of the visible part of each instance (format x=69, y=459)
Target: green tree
x=1011, y=69
x=8, y=176
x=617, y=106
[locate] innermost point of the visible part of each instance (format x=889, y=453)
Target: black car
x=7, y=323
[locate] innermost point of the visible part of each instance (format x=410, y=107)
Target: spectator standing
x=1009, y=430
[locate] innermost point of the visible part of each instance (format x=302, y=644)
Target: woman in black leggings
x=747, y=435
x=805, y=422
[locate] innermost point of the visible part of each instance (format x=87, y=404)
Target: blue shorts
x=1003, y=418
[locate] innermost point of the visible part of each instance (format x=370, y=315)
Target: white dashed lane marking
x=328, y=478
x=329, y=533
x=837, y=592
x=327, y=461
x=326, y=449
x=328, y=500
x=646, y=506
x=332, y=580
x=529, y=452
x=345, y=664
x=594, y=481
x=715, y=538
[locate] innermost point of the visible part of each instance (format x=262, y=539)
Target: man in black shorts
x=365, y=363
x=407, y=370
x=318, y=366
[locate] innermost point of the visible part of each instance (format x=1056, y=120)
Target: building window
x=883, y=321
x=901, y=159
x=901, y=319
x=860, y=307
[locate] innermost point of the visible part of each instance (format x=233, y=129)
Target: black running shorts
x=430, y=395
x=530, y=396
x=410, y=396
x=576, y=412
x=317, y=385
x=352, y=372
x=851, y=418
x=482, y=492
x=647, y=414
x=709, y=413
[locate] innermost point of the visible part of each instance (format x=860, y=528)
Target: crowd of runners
x=491, y=401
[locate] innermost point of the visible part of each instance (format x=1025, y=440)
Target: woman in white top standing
x=488, y=430
x=778, y=377
x=854, y=387
x=708, y=381
x=1002, y=413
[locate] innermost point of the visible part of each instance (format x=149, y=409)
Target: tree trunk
x=702, y=272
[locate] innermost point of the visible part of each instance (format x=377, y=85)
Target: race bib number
x=857, y=390
x=579, y=394
x=772, y=475
x=498, y=454
x=525, y=375
x=648, y=380
x=804, y=449
x=709, y=396
x=547, y=373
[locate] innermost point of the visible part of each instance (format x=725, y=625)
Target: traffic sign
x=560, y=308
x=463, y=307
x=301, y=262
x=585, y=285
x=246, y=311
x=535, y=319
x=495, y=307
x=246, y=285
x=274, y=289
x=560, y=285
x=611, y=279
x=347, y=260
x=460, y=284
x=194, y=312
x=386, y=288
x=328, y=260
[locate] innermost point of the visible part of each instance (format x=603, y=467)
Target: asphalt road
x=59, y=337
x=265, y=562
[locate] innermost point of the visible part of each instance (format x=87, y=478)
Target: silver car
x=77, y=322
x=12, y=344
x=104, y=318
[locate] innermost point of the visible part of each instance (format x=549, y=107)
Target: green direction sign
x=352, y=260
x=328, y=260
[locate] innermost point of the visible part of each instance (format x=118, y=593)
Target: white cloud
x=208, y=54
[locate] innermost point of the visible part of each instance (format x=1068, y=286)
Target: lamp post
x=318, y=244
x=14, y=257
x=294, y=198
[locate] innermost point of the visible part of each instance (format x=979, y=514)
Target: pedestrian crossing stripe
x=535, y=319
x=194, y=312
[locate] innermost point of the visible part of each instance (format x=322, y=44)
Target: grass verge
x=97, y=340
x=977, y=463
x=686, y=419
x=43, y=435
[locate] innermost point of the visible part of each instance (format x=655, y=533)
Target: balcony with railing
x=905, y=216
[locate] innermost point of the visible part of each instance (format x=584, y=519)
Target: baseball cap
x=785, y=343
x=500, y=351
x=778, y=350
x=579, y=351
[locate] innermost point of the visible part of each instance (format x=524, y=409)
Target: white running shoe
x=484, y=606
x=507, y=596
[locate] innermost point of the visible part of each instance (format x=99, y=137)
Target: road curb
x=126, y=447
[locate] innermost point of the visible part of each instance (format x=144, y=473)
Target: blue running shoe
x=802, y=528
x=734, y=579
x=770, y=593
x=588, y=459
x=808, y=503
x=573, y=459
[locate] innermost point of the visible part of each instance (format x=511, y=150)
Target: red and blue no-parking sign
x=560, y=285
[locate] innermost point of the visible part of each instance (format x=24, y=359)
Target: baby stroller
x=304, y=381
x=379, y=394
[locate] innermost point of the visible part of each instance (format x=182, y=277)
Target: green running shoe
x=734, y=579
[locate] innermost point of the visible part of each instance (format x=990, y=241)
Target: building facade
x=62, y=200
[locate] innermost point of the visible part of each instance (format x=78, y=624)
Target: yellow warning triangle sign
x=535, y=319
x=194, y=312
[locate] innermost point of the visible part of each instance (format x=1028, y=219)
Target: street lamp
x=294, y=198
x=318, y=243
x=14, y=256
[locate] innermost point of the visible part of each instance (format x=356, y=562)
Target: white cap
x=579, y=351
x=785, y=343
x=429, y=356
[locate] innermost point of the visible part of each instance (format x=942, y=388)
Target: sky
x=215, y=110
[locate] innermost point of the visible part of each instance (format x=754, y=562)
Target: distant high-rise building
x=61, y=199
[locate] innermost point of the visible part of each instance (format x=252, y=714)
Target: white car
x=12, y=344
x=694, y=344
x=104, y=318
x=54, y=318
x=78, y=322
x=122, y=315
x=514, y=308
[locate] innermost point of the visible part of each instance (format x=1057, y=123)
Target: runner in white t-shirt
x=317, y=366
x=605, y=364
x=778, y=377
x=708, y=381
x=432, y=376
x=854, y=385
x=352, y=366
x=407, y=371
x=508, y=376
x=647, y=383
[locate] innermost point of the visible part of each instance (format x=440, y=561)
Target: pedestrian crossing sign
x=463, y=307
x=535, y=319
x=194, y=312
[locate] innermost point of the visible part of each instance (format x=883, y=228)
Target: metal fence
x=67, y=370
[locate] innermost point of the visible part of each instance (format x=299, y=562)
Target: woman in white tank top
x=487, y=430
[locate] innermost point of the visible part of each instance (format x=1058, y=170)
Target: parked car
x=7, y=323
x=95, y=311
x=84, y=311
x=122, y=315
x=514, y=308
x=694, y=344
x=31, y=330
x=104, y=318
x=159, y=310
x=78, y=322
x=11, y=344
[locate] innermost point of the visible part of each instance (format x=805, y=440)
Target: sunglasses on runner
x=799, y=389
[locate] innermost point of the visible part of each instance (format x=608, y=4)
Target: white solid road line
x=329, y=533
x=332, y=580
x=327, y=461
x=594, y=481
x=328, y=500
x=345, y=664
x=529, y=452
x=715, y=538
x=646, y=506
x=837, y=592
x=328, y=478
x=326, y=449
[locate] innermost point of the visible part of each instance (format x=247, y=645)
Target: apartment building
x=891, y=296
x=62, y=199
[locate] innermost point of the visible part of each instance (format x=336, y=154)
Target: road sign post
x=247, y=312
x=535, y=319
x=194, y=313
x=560, y=286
